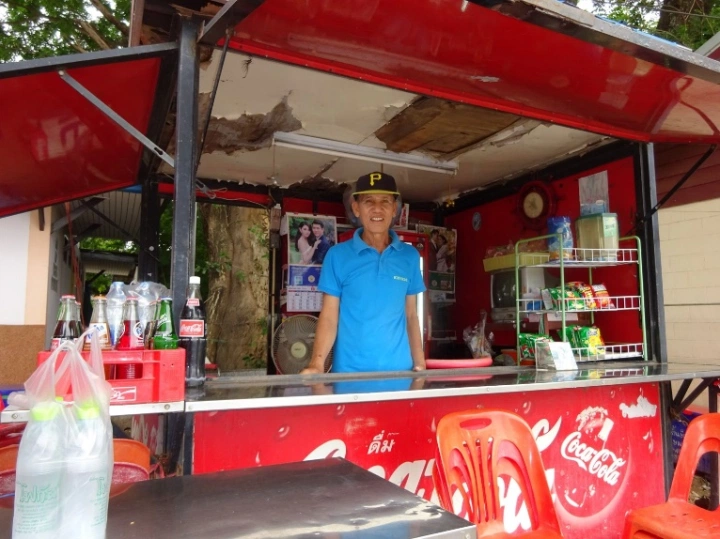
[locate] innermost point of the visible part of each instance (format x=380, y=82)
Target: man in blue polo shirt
x=370, y=284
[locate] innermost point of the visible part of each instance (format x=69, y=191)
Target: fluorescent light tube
x=363, y=153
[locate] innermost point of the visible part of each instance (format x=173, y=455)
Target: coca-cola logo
x=124, y=394
x=602, y=463
x=192, y=328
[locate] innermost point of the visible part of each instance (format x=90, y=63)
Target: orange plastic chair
x=676, y=518
x=475, y=449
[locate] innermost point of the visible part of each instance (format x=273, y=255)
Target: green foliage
x=108, y=245
x=40, y=28
x=687, y=22
x=100, y=285
x=202, y=265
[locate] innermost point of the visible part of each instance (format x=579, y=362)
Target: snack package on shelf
x=602, y=297
x=573, y=300
x=500, y=250
x=585, y=291
x=534, y=246
x=527, y=344
x=589, y=341
x=570, y=336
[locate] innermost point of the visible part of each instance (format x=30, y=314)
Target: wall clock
x=536, y=202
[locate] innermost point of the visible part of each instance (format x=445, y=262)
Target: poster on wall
x=309, y=239
x=404, y=219
x=441, y=264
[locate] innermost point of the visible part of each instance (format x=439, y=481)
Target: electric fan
x=293, y=344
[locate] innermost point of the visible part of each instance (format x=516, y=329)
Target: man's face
x=318, y=230
x=375, y=212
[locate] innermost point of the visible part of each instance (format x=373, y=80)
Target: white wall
x=14, y=238
x=59, y=275
x=690, y=253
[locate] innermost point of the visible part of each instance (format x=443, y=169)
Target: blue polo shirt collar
x=359, y=245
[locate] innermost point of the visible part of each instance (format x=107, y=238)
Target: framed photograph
x=442, y=257
x=404, y=218
x=309, y=238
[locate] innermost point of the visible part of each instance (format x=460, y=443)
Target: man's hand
x=418, y=368
x=311, y=370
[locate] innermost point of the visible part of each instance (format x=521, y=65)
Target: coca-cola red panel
x=601, y=447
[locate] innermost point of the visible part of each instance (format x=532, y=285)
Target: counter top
x=231, y=392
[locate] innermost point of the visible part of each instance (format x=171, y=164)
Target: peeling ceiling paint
x=257, y=98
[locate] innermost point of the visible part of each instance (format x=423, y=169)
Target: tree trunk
x=237, y=301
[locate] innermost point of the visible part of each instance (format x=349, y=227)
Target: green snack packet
x=556, y=296
x=570, y=336
x=527, y=343
x=574, y=301
x=590, y=341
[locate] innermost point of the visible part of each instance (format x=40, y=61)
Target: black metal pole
x=149, y=231
x=653, y=302
x=648, y=231
x=186, y=147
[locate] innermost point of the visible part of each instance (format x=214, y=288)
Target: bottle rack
x=588, y=259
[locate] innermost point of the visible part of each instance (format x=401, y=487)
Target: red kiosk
x=525, y=63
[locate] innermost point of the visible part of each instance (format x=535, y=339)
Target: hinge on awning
x=114, y=116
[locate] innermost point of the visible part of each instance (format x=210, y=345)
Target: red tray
x=162, y=379
x=458, y=363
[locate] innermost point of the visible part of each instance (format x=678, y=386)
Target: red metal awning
x=537, y=58
x=54, y=144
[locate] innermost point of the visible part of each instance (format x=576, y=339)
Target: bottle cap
x=45, y=411
x=194, y=280
x=87, y=410
x=166, y=299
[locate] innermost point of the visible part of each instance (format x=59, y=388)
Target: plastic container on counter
x=597, y=237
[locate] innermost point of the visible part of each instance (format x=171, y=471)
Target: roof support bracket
x=704, y=157
x=114, y=116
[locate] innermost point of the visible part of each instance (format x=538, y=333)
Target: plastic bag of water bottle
x=65, y=459
x=148, y=294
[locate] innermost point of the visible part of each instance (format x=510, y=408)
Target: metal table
x=321, y=498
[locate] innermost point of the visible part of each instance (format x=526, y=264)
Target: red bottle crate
x=162, y=378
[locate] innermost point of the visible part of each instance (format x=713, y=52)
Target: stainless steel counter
x=322, y=498
x=15, y=415
x=244, y=392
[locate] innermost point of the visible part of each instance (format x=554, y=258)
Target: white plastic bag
x=65, y=458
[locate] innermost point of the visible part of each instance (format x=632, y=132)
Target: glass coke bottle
x=192, y=333
x=65, y=328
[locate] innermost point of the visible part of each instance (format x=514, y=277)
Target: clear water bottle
x=88, y=474
x=38, y=478
x=115, y=302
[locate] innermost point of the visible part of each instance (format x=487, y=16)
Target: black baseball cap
x=376, y=183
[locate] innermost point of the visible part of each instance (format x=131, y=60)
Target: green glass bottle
x=165, y=337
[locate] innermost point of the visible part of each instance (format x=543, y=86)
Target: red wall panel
x=501, y=224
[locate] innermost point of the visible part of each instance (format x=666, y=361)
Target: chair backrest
x=477, y=448
x=702, y=436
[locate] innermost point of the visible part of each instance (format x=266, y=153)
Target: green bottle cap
x=87, y=410
x=45, y=411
